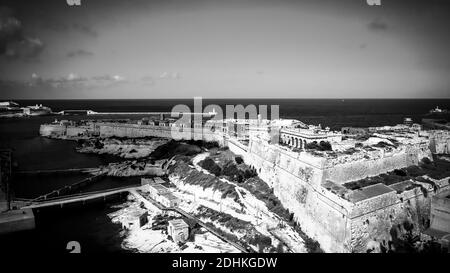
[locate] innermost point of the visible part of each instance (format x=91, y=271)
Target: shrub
x=325, y=146
x=426, y=161
x=211, y=166
x=230, y=170
x=239, y=160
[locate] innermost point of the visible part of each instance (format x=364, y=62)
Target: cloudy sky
x=224, y=49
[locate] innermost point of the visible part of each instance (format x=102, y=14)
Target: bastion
x=342, y=220
x=312, y=185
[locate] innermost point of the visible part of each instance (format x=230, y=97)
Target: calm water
x=334, y=113
x=91, y=226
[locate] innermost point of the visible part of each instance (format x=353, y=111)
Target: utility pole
x=5, y=175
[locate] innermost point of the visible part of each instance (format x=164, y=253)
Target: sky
x=149, y=49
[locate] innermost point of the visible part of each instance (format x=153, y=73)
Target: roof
x=369, y=192
x=438, y=234
x=158, y=180
x=160, y=188
x=169, y=196
x=401, y=186
x=178, y=223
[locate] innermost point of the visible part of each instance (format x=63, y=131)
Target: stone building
x=178, y=230
x=440, y=219
x=168, y=200
x=299, y=137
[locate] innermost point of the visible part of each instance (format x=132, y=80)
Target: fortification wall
x=321, y=214
x=343, y=171
x=338, y=224
x=236, y=147
x=355, y=170
x=49, y=130
x=440, y=142
x=379, y=219
x=75, y=131
x=136, y=131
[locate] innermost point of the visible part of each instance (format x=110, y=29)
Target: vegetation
x=235, y=170
x=228, y=168
x=173, y=147
x=193, y=177
x=437, y=169
x=238, y=160
x=211, y=166
x=321, y=146
x=251, y=237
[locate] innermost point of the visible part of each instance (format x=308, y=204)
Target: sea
x=91, y=226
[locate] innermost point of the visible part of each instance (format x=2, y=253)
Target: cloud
x=148, y=80
x=79, y=53
x=170, y=75
x=74, y=80
x=377, y=25
x=85, y=30
x=13, y=43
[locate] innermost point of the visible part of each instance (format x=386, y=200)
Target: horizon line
x=209, y=98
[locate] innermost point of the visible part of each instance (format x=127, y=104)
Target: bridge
x=77, y=198
x=69, y=188
x=72, y=170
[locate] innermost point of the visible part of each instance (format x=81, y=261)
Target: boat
x=438, y=110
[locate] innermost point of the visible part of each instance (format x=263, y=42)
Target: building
x=168, y=200
x=160, y=193
x=299, y=137
x=8, y=104
x=135, y=220
x=155, y=190
x=178, y=230
x=146, y=181
x=440, y=219
x=159, y=180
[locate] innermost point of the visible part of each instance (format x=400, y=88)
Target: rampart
x=338, y=223
x=440, y=141
x=177, y=133
x=351, y=222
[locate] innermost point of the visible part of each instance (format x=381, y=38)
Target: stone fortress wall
x=105, y=130
x=440, y=141
x=358, y=166
x=349, y=223
x=136, y=131
x=339, y=224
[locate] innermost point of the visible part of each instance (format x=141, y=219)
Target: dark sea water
x=91, y=225
x=334, y=113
